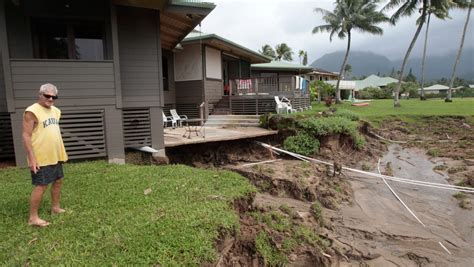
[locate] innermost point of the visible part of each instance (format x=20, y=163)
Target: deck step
x=233, y=120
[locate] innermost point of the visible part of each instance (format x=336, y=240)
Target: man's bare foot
x=57, y=211
x=38, y=223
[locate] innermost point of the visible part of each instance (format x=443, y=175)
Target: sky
x=253, y=23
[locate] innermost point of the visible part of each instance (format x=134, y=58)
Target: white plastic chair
x=179, y=118
x=283, y=106
x=167, y=119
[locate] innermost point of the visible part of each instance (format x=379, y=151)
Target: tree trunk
x=396, y=100
x=458, y=57
x=422, y=91
x=341, y=72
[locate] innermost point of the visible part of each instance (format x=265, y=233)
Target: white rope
x=257, y=163
x=391, y=178
x=411, y=212
x=399, y=199
x=380, y=175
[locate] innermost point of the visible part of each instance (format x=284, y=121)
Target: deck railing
x=280, y=85
x=256, y=95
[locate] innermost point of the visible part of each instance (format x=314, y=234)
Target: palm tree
x=301, y=55
x=407, y=8
x=283, y=51
x=305, y=59
x=268, y=51
x=458, y=56
x=442, y=14
x=350, y=15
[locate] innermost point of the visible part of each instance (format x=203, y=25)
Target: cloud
x=255, y=23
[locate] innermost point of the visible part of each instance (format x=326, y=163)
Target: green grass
x=380, y=109
x=110, y=221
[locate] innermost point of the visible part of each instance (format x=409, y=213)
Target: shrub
x=351, y=115
x=333, y=125
x=373, y=93
x=302, y=143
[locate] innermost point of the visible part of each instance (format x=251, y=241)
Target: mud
x=377, y=224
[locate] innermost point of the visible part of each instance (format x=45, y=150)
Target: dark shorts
x=47, y=174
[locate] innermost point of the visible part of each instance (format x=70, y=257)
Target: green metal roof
x=196, y=36
x=281, y=65
x=193, y=3
x=435, y=87
x=374, y=81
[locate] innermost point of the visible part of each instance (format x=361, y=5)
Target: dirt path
x=378, y=228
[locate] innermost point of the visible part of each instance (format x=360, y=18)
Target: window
x=64, y=39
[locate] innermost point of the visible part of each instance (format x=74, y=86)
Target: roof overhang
x=178, y=19
x=152, y=4
x=301, y=70
x=229, y=47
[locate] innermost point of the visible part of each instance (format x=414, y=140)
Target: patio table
x=194, y=126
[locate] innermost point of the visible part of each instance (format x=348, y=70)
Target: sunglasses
x=54, y=97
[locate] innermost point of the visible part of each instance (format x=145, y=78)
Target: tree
x=283, y=51
x=458, y=56
x=268, y=51
x=350, y=15
x=410, y=77
x=301, y=55
x=347, y=70
x=305, y=59
x=441, y=13
x=407, y=8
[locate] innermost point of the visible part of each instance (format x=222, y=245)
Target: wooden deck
x=174, y=137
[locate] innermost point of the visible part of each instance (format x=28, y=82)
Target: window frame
x=36, y=22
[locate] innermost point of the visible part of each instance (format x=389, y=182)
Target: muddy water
x=381, y=232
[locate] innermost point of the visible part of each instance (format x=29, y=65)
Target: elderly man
x=45, y=150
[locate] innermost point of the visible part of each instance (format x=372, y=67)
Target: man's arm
x=29, y=123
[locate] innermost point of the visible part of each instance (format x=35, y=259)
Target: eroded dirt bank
x=305, y=216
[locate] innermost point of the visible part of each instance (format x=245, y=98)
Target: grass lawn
x=412, y=108
x=110, y=220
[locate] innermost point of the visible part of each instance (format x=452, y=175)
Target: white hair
x=47, y=87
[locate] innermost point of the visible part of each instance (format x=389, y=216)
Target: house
x=204, y=69
x=374, y=81
x=318, y=74
x=111, y=60
x=436, y=89
x=276, y=78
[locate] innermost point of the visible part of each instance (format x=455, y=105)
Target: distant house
x=203, y=69
x=321, y=75
x=279, y=68
x=435, y=89
x=374, y=81
x=111, y=60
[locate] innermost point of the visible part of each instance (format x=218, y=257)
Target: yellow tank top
x=46, y=140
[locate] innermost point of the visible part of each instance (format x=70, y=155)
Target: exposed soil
x=363, y=223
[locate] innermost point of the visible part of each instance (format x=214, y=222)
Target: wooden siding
x=189, y=92
x=213, y=91
x=3, y=94
x=136, y=127
x=83, y=133
x=79, y=83
x=138, y=53
x=170, y=95
x=191, y=110
x=6, y=137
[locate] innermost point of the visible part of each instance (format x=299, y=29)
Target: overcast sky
x=253, y=23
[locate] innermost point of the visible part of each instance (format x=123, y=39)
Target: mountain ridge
x=365, y=63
